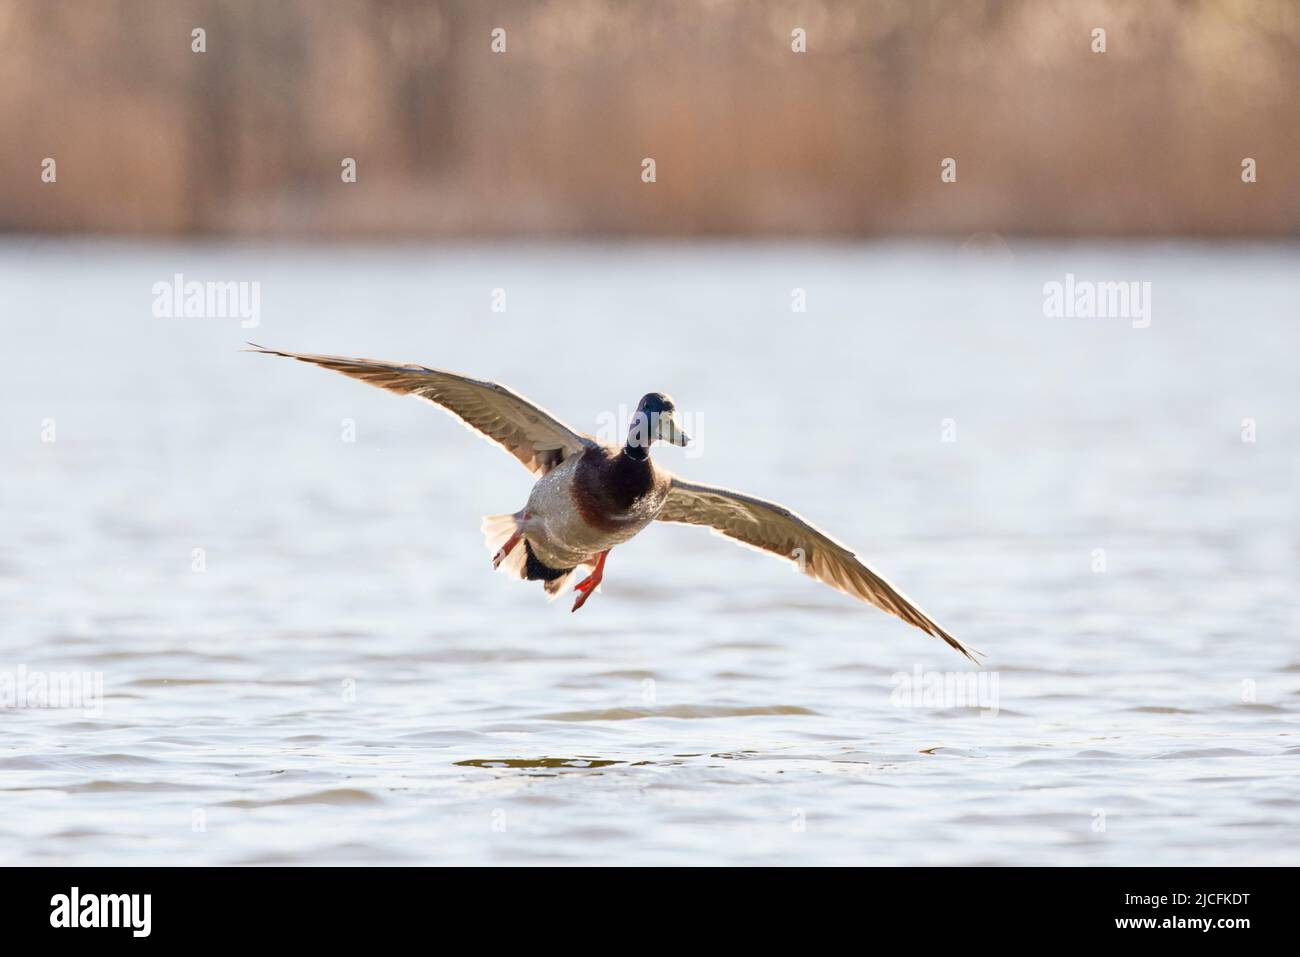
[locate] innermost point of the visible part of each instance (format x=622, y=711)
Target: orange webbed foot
x=506, y=549
x=588, y=585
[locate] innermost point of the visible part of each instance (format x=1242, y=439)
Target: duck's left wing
x=775, y=529
x=528, y=432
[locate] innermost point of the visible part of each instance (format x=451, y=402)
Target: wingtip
x=972, y=654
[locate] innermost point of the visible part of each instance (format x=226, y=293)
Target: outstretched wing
x=528, y=432
x=775, y=529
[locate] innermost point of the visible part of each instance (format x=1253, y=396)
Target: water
x=346, y=680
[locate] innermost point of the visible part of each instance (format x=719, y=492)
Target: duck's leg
x=588, y=585
x=507, y=548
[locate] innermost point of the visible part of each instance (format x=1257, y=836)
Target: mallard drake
x=590, y=497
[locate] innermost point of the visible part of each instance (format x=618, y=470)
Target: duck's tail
x=511, y=553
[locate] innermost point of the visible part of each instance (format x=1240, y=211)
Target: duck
x=590, y=497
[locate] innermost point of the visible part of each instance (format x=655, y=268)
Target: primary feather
x=777, y=530
x=532, y=435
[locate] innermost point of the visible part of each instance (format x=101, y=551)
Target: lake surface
x=277, y=574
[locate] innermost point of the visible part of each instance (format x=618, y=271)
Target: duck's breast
x=592, y=502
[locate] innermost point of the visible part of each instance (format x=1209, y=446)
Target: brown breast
x=612, y=490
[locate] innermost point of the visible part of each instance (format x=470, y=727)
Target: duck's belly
x=555, y=528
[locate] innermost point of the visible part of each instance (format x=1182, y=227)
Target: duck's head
x=655, y=420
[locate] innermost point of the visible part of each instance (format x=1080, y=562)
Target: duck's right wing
x=528, y=432
x=777, y=530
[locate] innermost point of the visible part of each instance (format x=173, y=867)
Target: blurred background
x=749, y=138
x=279, y=575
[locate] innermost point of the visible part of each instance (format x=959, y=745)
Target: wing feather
x=775, y=529
x=528, y=432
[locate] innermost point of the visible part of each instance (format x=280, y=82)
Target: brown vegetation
x=749, y=138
